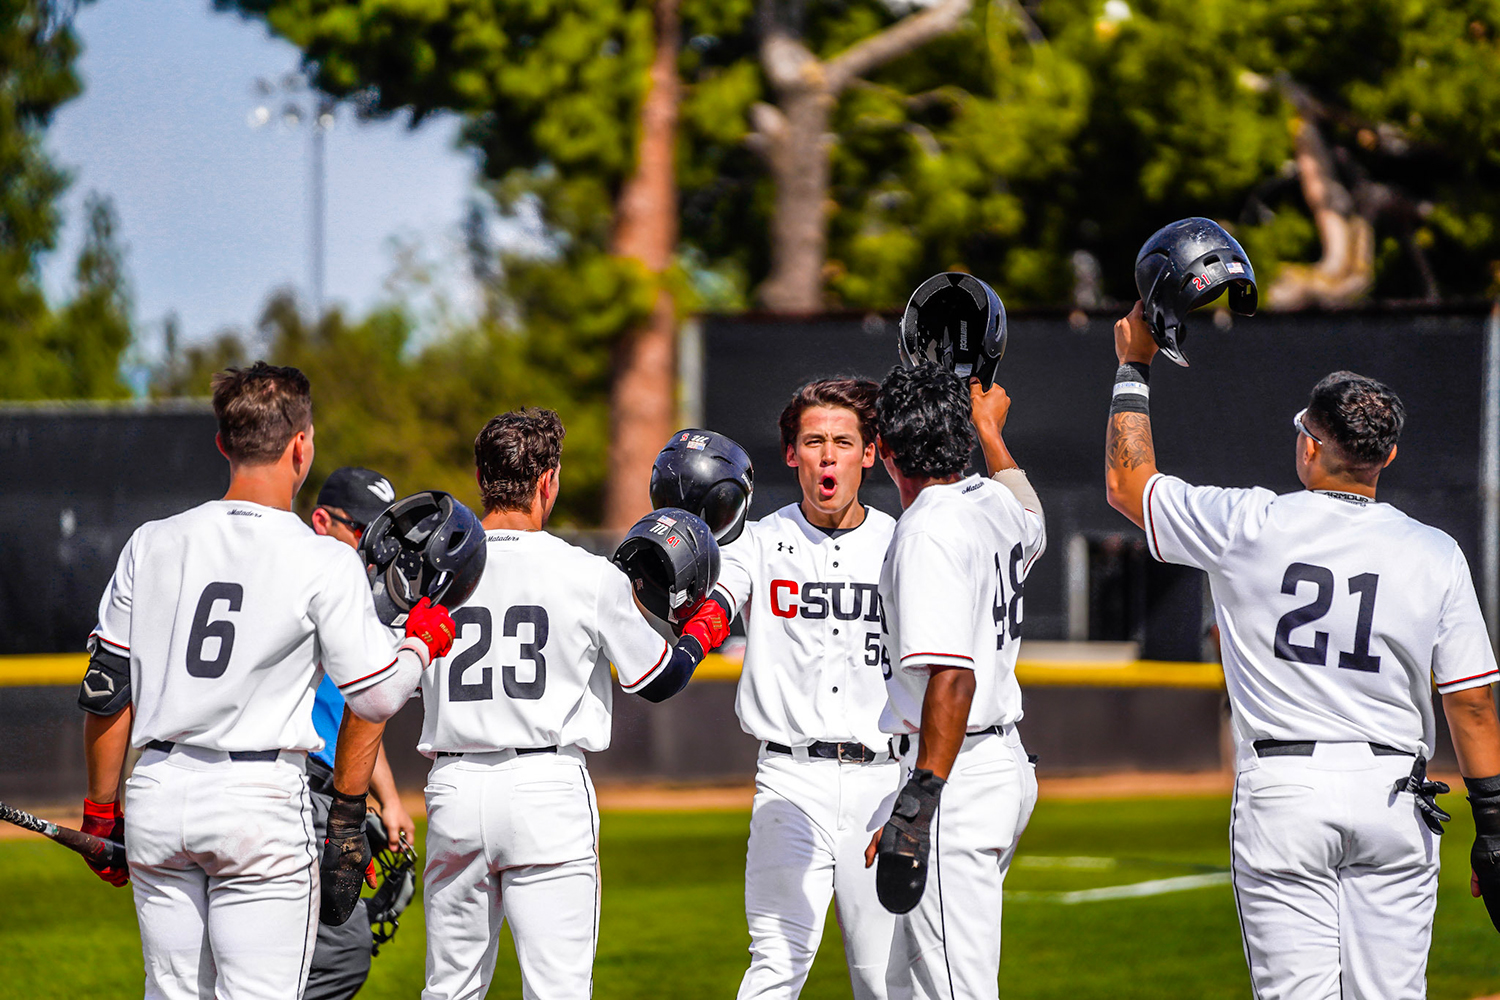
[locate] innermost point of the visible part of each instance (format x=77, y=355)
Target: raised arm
x=1129, y=455
x=989, y=411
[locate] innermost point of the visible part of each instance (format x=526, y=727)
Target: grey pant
x=341, y=958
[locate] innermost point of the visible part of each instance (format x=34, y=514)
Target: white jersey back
x=1335, y=614
x=951, y=588
x=226, y=611
x=811, y=605
x=530, y=666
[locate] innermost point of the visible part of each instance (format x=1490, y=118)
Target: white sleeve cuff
x=382, y=694
x=1015, y=480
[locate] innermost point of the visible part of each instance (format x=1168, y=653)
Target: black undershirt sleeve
x=686, y=656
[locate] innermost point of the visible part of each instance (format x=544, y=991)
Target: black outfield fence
x=1226, y=421
x=75, y=481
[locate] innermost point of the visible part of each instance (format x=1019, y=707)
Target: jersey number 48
x=1007, y=611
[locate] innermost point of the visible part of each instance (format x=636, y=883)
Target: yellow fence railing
x=68, y=668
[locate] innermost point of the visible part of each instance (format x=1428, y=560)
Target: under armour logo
x=784, y=547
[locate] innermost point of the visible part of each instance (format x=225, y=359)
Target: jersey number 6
x=484, y=688
x=203, y=630
x=1322, y=577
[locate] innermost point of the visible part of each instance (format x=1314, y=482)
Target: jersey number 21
x=1321, y=577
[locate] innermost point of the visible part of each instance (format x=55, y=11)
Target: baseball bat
x=96, y=850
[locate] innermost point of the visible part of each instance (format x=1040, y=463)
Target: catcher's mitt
x=398, y=883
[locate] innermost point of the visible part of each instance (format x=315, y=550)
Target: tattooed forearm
x=1128, y=442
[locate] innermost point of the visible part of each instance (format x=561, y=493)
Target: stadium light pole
x=302, y=103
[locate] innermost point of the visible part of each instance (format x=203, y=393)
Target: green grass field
x=673, y=923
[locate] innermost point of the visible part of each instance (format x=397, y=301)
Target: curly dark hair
x=1360, y=416
x=924, y=418
x=856, y=394
x=513, y=451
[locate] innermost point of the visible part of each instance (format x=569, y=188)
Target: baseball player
x=1336, y=614
x=512, y=832
x=805, y=579
x=351, y=497
x=206, y=657
x=951, y=589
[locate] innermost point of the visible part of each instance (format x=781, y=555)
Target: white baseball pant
x=224, y=866
x=511, y=838
x=948, y=947
x=809, y=827
x=1335, y=876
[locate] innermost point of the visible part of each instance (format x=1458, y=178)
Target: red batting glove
x=431, y=623
x=104, y=819
x=709, y=625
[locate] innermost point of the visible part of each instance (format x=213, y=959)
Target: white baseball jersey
x=530, y=665
x=226, y=612
x=951, y=589
x=1335, y=613
x=811, y=605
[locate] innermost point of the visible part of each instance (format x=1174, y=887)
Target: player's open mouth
x=827, y=486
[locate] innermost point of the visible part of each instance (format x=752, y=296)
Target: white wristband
x=1131, y=389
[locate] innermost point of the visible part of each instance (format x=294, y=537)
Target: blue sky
x=214, y=212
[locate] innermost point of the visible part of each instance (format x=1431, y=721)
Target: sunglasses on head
x=1302, y=428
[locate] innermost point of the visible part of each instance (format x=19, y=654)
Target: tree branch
x=788, y=63
x=906, y=35
x=769, y=133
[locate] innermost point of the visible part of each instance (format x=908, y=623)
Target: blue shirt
x=327, y=715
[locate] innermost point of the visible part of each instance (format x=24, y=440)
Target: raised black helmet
x=672, y=561
x=957, y=321
x=425, y=545
x=708, y=474
x=1183, y=266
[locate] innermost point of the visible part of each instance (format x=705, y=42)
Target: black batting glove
x=1484, y=857
x=1426, y=793
x=346, y=856
x=901, y=857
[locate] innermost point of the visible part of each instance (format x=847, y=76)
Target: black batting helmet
x=672, y=561
x=425, y=545
x=958, y=321
x=1181, y=267
x=708, y=474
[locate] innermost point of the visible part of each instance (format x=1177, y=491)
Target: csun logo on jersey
x=819, y=600
x=243, y=513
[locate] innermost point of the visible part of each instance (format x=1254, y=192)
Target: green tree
x=1358, y=137
x=413, y=413
x=92, y=330
x=42, y=355
x=554, y=95
x=1352, y=142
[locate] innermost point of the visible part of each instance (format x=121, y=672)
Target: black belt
x=902, y=743
x=1304, y=748
x=166, y=747
x=518, y=750
x=846, y=753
